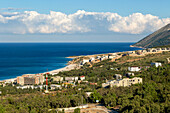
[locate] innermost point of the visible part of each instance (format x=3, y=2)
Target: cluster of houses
x=65, y=81
x=114, y=56
x=147, y=51
x=36, y=81
x=127, y=81
x=99, y=58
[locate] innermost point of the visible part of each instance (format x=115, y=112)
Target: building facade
x=123, y=82
x=30, y=79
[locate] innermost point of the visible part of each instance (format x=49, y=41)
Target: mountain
x=160, y=37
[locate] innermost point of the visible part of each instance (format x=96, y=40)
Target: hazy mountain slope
x=160, y=37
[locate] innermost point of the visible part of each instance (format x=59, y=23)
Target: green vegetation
x=151, y=96
x=77, y=110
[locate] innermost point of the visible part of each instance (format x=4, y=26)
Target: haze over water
x=23, y=58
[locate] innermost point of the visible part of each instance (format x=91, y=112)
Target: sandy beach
x=8, y=80
x=67, y=68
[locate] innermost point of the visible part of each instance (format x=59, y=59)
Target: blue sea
x=23, y=58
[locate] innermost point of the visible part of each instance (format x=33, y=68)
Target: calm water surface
x=22, y=58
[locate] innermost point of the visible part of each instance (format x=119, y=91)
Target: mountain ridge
x=161, y=37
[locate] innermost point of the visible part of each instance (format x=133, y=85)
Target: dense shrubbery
x=151, y=96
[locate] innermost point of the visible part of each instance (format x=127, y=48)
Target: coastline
x=137, y=47
x=68, y=67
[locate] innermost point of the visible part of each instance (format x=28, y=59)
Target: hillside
x=150, y=96
x=160, y=37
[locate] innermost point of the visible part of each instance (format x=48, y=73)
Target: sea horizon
x=31, y=58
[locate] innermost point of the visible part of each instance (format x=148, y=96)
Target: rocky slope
x=160, y=37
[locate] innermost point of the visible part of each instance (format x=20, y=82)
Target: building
x=30, y=86
x=82, y=78
x=118, y=76
x=92, y=59
x=126, y=82
x=105, y=85
x=104, y=58
x=86, y=60
x=76, y=78
x=110, y=57
x=88, y=93
x=55, y=86
x=30, y=79
x=134, y=68
x=156, y=64
x=71, y=78
x=123, y=82
x=98, y=57
x=57, y=78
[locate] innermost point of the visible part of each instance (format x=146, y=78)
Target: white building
x=110, y=57
x=55, y=86
x=82, y=77
x=76, y=78
x=86, y=60
x=118, y=76
x=92, y=59
x=134, y=68
x=88, y=94
x=98, y=57
x=103, y=58
x=30, y=86
x=71, y=78
x=156, y=64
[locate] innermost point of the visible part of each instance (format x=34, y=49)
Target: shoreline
x=68, y=66
x=137, y=47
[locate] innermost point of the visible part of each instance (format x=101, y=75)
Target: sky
x=81, y=20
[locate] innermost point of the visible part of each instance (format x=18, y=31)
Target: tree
x=2, y=110
x=95, y=96
x=77, y=110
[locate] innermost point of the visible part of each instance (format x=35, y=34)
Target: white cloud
x=79, y=22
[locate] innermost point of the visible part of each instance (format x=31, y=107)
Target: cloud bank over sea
x=32, y=22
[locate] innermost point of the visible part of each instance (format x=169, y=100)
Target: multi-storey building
x=123, y=82
x=30, y=79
